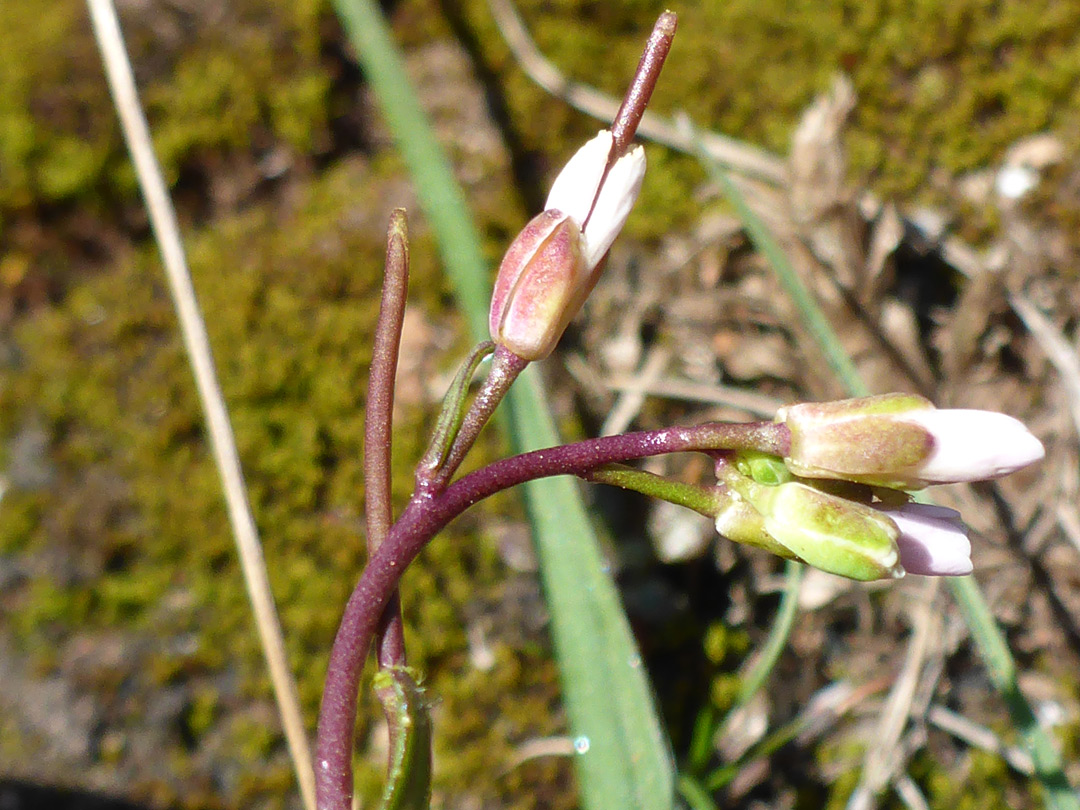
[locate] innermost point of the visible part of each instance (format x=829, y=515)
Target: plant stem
x=641, y=87
x=428, y=512
x=703, y=500
x=378, y=422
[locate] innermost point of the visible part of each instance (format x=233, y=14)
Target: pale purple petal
x=933, y=540
x=974, y=445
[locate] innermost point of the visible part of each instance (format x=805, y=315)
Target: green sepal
x=408, y=778
x=453, y=409
x=831, y=533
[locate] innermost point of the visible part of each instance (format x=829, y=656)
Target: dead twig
x=1061, y=355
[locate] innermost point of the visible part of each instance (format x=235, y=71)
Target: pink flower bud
x=933, y=540
x=904, y=442
x=539, y=281
x=550, y=268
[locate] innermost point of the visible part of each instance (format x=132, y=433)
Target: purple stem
x=638, y=94
x=427, y=513
x=378, y=422
x=641, y=87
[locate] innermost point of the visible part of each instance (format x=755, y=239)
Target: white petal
x=617, y=197
x=974, y=445
x=933, y=540
x=575, y=187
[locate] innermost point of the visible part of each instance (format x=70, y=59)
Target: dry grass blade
x=759, y=405
x=909, y=793
x=193, y=329
x=631, y=399
x=1057, y=348
x=980, y=737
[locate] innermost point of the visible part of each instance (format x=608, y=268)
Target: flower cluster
x=839, y=499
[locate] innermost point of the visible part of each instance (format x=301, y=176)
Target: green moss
x=136, y=510
x=54, y=129
x=940, y=84
x=247, y=80
x=988, y=783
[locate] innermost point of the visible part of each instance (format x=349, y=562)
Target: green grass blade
x=440, y=195
x=753, y=680
x=988, y=636
x=1001, y=669
x=606, y=691
x=812, y=317
x=605, y=687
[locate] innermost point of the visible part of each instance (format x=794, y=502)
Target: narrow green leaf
x=606, y=690
x=408, y=780
x=623, y=755
x=453, y=408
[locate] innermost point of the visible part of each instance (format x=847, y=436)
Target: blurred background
x=918, y=164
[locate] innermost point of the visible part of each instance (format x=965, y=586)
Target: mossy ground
x=119, y=533
x=130, y=535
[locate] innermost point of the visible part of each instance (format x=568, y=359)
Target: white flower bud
x=550, y=268
x=904, y=442
x=971, y=445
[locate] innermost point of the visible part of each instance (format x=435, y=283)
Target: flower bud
x=550, y=268
x=739, y=522
x=538, y=281
x=830, y=533
x=933, y=540
x=903, y=441
x=798, y=521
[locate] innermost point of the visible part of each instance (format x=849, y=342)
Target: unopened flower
x=903, y=441
x=551, y=267
x=798, y=521
x=831, y=533
x=933, y=540
x=538, y=281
